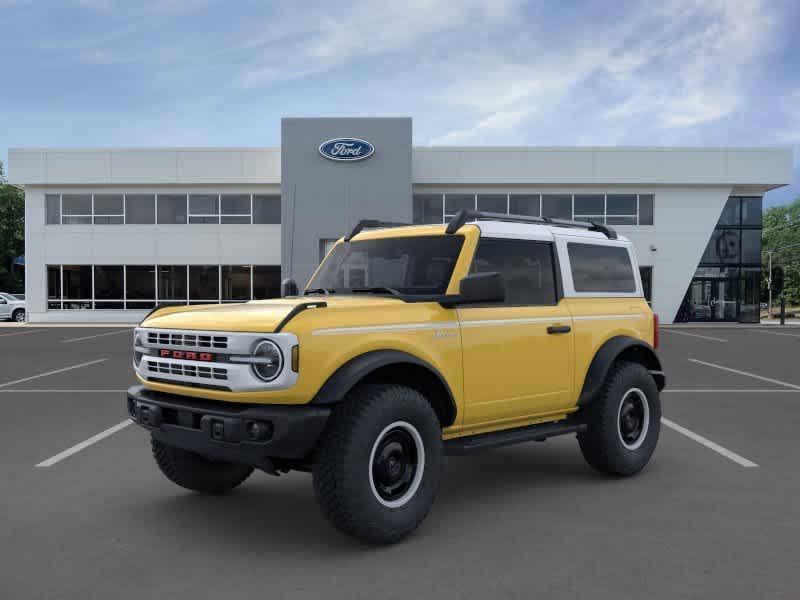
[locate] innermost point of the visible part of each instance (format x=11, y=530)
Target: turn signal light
x=296, y=359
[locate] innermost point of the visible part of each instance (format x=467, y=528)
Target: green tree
x=12, y=235
x=782, y=235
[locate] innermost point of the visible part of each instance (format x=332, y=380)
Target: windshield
x=402, y=265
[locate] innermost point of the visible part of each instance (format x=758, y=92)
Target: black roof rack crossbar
x=464, y=215
x=371, y=223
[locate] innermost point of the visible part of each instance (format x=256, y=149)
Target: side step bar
x=532, y=433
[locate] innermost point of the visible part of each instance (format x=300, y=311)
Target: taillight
x=655, y=330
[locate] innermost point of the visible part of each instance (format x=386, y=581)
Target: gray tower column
x=322, y=199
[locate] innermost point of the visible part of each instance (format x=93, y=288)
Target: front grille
x=183, y=370
x=192, y=340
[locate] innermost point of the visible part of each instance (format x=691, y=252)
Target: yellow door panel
x=514, y=368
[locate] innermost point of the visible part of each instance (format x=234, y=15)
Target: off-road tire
x=195, y=472
x=344, y=475
x=18, y=316
x=602, y=444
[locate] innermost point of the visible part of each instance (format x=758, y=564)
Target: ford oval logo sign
x=346, y=149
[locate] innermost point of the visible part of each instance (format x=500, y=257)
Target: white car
x=12, y=308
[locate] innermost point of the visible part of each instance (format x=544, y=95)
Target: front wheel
x=623, y=421
x=18, y=316
x=195, y=472
x=377, y=468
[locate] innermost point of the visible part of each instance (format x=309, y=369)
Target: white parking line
x=22, y=332
x=697, y=335
x=794, y=335
x=84, y=444
x=74, y=391
x=739, y=391
x=24, y=379
x=740, y=460
x=90, y=337
x=745, y=373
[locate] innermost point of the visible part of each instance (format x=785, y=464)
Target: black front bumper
x=249, y=434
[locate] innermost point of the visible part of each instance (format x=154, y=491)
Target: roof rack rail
x=372, y=223
x=464, y=215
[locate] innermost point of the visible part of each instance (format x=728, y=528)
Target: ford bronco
x=407, y=344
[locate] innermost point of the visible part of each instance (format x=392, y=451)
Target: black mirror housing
x=478, y=288
x=289, y=288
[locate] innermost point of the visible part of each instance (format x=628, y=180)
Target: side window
x=598, y=268
x=526, y=266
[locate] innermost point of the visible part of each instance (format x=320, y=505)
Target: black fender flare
x=611, y=350
x=356, y=369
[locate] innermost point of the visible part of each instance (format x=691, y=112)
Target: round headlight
x=137, y=356
x=268, y=360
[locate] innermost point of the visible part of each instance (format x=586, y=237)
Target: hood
x=258, y=316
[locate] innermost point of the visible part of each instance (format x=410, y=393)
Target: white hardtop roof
x=532, y=231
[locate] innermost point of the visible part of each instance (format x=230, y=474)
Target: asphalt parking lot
x=85, y=513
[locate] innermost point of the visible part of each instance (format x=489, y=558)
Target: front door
x=4, y=308
x=712, y=300
x=517, y=356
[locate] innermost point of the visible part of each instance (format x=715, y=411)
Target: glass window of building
x=235, y=209
x=235, y=283
x=621, y=209
x=528, y=205
x=52, y=203
x=646, y=209
x=140, y=209
x=646, y=275
x=76, y=209
x=171, y=209
x=589, y=207
x=77, y=286
x=203, y=208
x=726, y=284
x=456, y=202
x=266, y=281
x=751, y=212
x=428, y=208
x=108, y=209
x=172, y=284
x=557, y=206
x=266, y=209
x=730, y=214
x=204, y=283
x=54, y=286
x=109, y=287
x=496, y=203
x=141, y=286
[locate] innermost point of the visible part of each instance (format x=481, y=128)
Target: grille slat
x=183, y=370
x=190, y=340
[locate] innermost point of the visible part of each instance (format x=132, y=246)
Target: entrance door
x=712, y=300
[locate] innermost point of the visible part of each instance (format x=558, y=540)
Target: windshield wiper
x=378, y=289
x=323, y=291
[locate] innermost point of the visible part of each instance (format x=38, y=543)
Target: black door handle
x=559, y=329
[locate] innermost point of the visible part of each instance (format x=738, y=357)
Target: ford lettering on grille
x=186, y=355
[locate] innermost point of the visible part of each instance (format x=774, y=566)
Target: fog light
x=258, y=431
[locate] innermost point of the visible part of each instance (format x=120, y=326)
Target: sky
x=78, y=73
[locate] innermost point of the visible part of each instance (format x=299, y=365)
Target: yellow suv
x=408, y=343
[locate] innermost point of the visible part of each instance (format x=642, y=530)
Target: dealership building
x=111, y=232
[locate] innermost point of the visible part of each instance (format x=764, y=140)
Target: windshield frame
x=342, y=250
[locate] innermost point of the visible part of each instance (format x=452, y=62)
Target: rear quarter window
x=602, y=269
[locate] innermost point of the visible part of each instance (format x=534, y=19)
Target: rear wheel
x=624, y=421
x=195, y=472
x=19, y=315
x=376, y=471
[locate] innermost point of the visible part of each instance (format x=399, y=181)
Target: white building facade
x=110, y=233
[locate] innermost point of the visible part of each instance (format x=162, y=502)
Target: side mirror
x=478, y=288
x=288, y=288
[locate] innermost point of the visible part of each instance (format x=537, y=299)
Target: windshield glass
x=405, y=265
